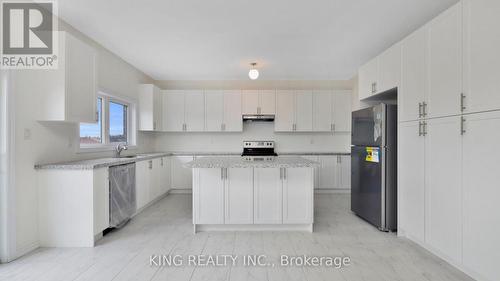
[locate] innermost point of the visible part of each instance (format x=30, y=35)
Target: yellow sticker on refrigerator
x=372, y=154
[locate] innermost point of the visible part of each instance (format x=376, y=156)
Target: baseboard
x=252, y=227
x=180, y=191
x=332, y=191
x=25, y=249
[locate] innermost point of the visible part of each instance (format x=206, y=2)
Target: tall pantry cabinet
x=448, y=137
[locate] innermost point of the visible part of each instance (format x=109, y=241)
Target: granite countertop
x=99, y=163
x=238, y=162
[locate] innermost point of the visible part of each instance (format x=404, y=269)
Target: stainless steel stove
x=258, y=151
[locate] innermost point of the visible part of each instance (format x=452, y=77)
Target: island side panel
x=298, y=196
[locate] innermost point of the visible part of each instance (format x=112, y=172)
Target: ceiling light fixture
x=253, y=73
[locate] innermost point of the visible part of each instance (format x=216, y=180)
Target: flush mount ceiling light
x=253, y=73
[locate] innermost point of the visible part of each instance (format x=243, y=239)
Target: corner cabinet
x=69, y=92
x=150, y=108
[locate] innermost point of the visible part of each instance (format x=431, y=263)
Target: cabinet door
x=165, y=174
x=195, y=111
x=298, y=196
x=481, y=224
x=208, y=196
x=481, y=56
x=81, y=79
x=267, y=102
x=389, y=69
x=156, y=177
x=101, y=200
x=414, y=78
x=345, y=172
x=342, y=110
x=173, y=111
x=250, y=102
x=285, y=111
x=367, y=78
x=322, y=111
x=443, y=186
x=142, y=183
x=303, y=111
x=146, y=107
x=445, y=63
x=238, y=196
x=182, y=178
x=328, y=173
x=411, y=176
x=316, y=169
x=214, y=111
x=268, y=195
x=232, y=112
x=157, y=109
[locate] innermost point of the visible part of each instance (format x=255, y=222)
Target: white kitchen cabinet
x=194, y=110
x=329, y=172
x=143, y=183
x=303, y=111
x=268, y=196
x=285, y=111
x=367, y=79
x=344, y=171
x=182, y=177
x=232, y=112
x=173, y=111
x=297, y=197
x=238, y=189
x=223, y=111
x=389, y=69
x=214, y=111
x=101, y=200
x=445, y=63
x=208, y=198
x=411, y=185
x=156, y=174
x=150, y=108
x=70, y=90
x=481, y=221
x=443, y=186
x=259, y=102
x=165, y=169
x=414, y=79
x=314, y=158
x=481, y=57
x=323, y=111
x=342, y=108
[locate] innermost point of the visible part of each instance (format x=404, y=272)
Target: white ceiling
x=217, y=39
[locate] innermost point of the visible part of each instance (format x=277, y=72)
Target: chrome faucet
x=119, y=148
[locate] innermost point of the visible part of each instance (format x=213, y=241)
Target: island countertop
x=239, y=162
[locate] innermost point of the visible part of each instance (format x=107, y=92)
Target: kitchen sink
x=128, y=156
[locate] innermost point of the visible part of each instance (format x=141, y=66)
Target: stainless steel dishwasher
x=122, y=203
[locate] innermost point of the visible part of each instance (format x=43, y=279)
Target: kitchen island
x=230, y=193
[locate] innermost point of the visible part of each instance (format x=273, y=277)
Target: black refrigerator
x=374, y=167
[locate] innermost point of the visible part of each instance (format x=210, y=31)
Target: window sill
x=100, y=148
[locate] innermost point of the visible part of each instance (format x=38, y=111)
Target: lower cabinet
x=142, y=183
x=297, y=198
x=238, y=189
x=152, y=180
x=253, y=196
x=182, y=177
x=334, y=172
x=268, y=196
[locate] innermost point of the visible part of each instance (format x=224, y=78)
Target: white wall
x=232, y=142
x=52, y=142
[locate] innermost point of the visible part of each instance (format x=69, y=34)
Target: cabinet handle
x=221, y=173
x=419, y=129
x=462, y=102
x=462, y=126
x=375, y=87
x=150, y=164
x=424, y=131
x=424, y=109
x=154, y=125
x=419, y=110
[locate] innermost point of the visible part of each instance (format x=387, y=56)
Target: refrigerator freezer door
x=368, y=126
x=367, y=182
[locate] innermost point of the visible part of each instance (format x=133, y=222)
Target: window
x=91, y=134
x=113, y=125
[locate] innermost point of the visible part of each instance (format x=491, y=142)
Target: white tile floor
x=165, y=228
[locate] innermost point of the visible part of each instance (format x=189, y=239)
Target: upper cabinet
x=223, y=111
x=381, y=74
x=332, y=111
x=183, y=111
x=70, y=90
x=445, y=64
x=481, y=55
x=259, y=102
x=294, y=111
x=150, y=108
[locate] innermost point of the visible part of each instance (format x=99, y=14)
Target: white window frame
x=106, y=145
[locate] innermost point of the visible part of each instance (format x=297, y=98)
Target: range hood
x=258, y=117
